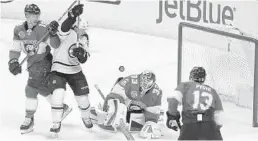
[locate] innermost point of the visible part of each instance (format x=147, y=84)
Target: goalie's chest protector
x=63, y=60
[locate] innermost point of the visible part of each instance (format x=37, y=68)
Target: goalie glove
x=150, y=130
x=173, y=121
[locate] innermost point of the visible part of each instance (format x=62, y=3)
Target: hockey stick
x=122, y=126
x=6, y=1
x=37, y=44
x=100, y=93
x=78, y=24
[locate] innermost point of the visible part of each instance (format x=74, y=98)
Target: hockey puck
x=121, y=68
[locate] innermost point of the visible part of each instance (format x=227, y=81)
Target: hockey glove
x=14, y=66
x=81, y=54
x=76, y=11
x=53, y=27
x=173, y=121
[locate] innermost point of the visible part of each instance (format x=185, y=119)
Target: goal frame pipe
x=226, y=34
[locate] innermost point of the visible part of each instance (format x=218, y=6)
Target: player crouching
x=133, y=94
x=202, y=108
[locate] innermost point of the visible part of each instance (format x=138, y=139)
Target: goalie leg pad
x=115, y=113
x=98, y=116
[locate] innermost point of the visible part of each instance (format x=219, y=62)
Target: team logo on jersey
x=70, y=50
x=134, y=94
x=30, y=49
x=21, y=34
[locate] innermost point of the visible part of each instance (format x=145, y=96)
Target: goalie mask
x=198, y=74
x=147, y=80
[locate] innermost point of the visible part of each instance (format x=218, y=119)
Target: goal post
x=230, y=59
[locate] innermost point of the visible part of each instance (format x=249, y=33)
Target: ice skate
x=27, y=125
x=87, y=122
x=93, y=116
x=55, y=129
x=67, y=111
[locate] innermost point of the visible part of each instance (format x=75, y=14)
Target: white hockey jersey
x=63, y=60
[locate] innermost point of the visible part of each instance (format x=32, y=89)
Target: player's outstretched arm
x=173, y=115
x=71, y=19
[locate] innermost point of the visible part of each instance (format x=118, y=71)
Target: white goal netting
x=229, y=63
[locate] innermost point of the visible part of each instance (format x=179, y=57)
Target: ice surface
x=110, y=49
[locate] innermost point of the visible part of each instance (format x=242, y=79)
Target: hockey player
x=202, y=109
x=135, y=93
x=26, y=35
x=66, y=69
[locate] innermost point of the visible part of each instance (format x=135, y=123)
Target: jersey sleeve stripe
x=119, y=90
x=154, y=109
x=57, y=62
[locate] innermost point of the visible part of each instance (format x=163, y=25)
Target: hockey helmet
x=147, y=80
x=198, y=74
x=32, y=9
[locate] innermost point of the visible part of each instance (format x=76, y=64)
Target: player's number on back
x=207, y=100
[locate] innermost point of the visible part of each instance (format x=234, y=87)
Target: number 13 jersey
x=198, y=100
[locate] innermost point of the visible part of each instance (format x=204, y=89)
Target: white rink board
x=149, y=16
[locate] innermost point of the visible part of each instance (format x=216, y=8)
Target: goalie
x=132, y=94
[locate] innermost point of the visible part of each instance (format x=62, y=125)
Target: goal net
x=229, y=60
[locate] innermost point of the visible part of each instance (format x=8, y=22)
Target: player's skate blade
x=27, y=125
x=27, y=131
x=55, y=129
x=67, y=111
x=87, y=123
